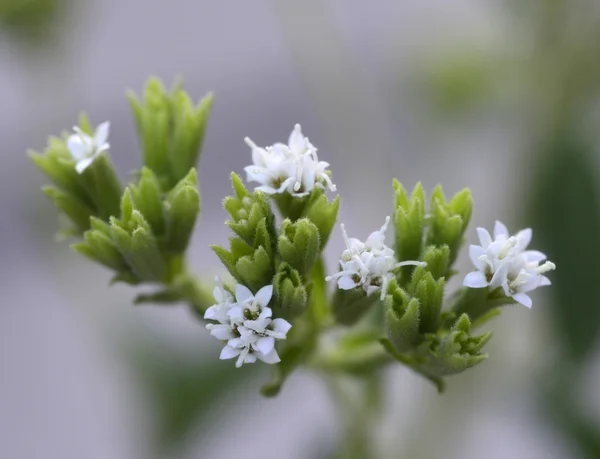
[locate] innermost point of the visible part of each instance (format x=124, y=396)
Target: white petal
x=222, y=332
x=263, y=296
x=500, y=229
x=523, y=298
x=243, y=293
x=523, y=238
x=236, y=314
x=229, y=352
x=250, y=358
x=475, y=251
x=499, y=276
x=484, y=237
x=267, y=189
x=265, y=345
x=476, y=279
x=545, y=281
x=271, y=358
x=78, y=149
x=534, y=255
x=84, y=164
x=101, y=134
x=346, y=282
x=297, y=141
x=281, y=326
x=211, y=313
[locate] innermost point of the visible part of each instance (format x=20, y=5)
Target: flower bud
x=289, y=293
x=299, y=244
x=449, y=221
x=322, y=213
x=402, y=320
x=251, y=267
x=147, y=199
x=349, y=306
x=171, y=130
x=182, y=206
x=139, y=248
x=409, y=223
x=247, y=210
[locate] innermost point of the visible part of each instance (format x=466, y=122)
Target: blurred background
x=497, y=95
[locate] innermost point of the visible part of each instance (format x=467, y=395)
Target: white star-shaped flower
x=224, y=329
x=85, y=149
x=368, y=264
x=504, y=262
x=293, y=168
x=246, y=324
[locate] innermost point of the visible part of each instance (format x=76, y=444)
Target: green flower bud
x=449, y=220
x=409, y=223
x=457, y=350
x=299, y=244
x=349, y=306
x=247, y=211
x=430, y=294
x=402, y=320
x=152, y=121
x=189, y=127
x=77, y=211
x=139, y=248
x=290, y=295
x=100, y=247
x=171, y=130
x=107, y=189
x=182, y=206
x=252, y=267
x=437, y=259
x=147, y=199
x=322, y=213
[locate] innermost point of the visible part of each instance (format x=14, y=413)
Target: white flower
x=368, y=264
x=293, y=168
x=84, y=148
x=246, y=324
x=224, y=330
x=504, y=262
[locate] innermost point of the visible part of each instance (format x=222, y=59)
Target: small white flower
x=219, y=312
x=504, y=262
x=84, y=148
x=246, y=324
x=368, y=264
x=293, y=168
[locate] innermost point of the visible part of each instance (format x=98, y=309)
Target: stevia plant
x=280, y=306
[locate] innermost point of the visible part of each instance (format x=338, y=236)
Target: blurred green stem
x=359, y=409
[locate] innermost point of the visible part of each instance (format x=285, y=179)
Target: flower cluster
x=504, y=262
x=245, y=324
x=293, y=168
x=85, y=148
x=368, y=264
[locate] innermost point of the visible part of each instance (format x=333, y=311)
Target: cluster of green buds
x=389, y=304
x=140, y=232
